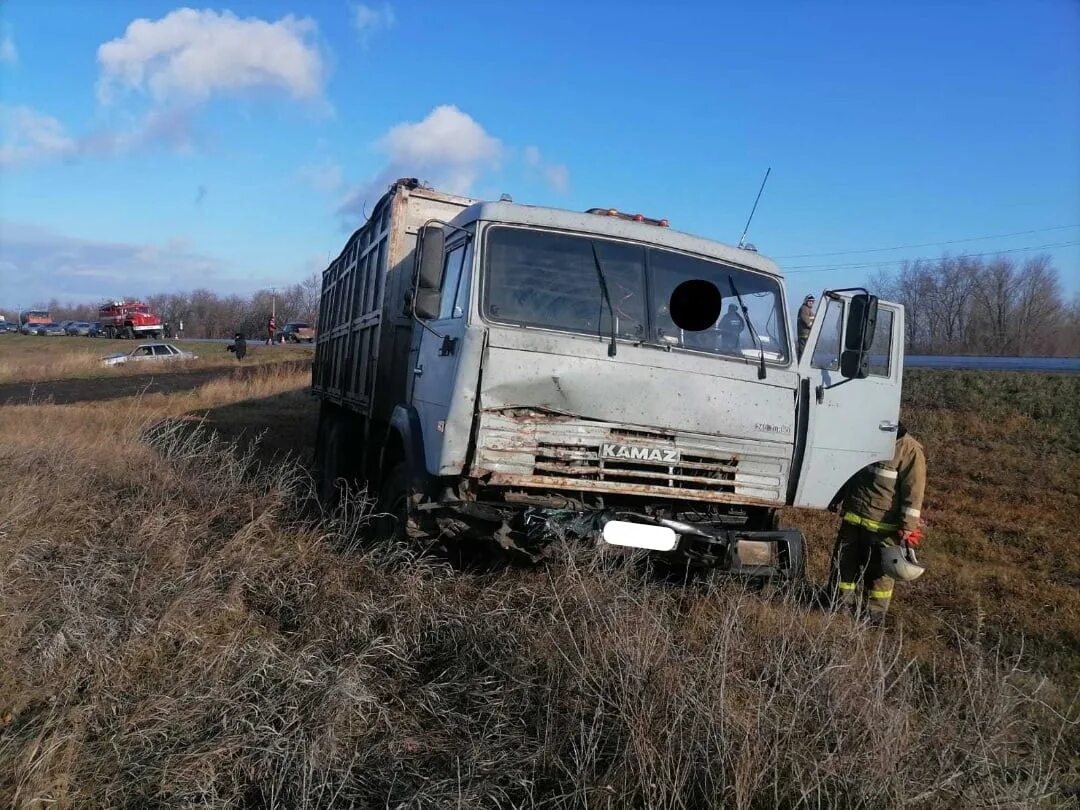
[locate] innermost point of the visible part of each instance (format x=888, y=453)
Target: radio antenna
x=742, y=239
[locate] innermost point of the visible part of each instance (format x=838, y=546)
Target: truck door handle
x=888, y=427
x=418, y=371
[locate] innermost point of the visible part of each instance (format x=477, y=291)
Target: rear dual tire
x=331, y=469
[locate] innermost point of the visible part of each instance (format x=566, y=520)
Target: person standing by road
x=806, y=320
x=881, y=509
x=239, y=346
x=271, y=330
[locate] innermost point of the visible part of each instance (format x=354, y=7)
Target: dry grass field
x=25, y=358
x=181, y=626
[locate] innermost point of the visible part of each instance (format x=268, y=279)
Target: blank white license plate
x=639, y=535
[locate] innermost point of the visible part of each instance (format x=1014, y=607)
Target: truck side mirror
x=430, y=244
x=858, y=336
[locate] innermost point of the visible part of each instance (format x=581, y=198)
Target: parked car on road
x=77, y=328
x=148, y=351
x=95, y=330
x=8, y=327
x=297, y=332
x=49, y=330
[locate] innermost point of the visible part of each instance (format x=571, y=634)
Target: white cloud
x=448, y=149
x=28, y=136
x=39, y=264
x=9, y=54
x=557, y=176
x=448, y=142
x=369, y=19
x=192, y=55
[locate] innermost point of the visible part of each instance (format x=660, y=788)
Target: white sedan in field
x=148, y=351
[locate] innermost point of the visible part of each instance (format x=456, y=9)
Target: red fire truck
x=128, y=319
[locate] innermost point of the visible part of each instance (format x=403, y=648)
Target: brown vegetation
x=181, y=628
x=26, y=358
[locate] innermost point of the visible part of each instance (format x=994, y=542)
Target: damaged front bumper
x=770, y=554
x=778, y=554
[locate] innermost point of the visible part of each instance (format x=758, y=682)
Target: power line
x=926, y=244
x=819, y=268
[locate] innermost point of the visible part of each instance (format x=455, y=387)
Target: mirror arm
x=821, y=389
x=424, y=324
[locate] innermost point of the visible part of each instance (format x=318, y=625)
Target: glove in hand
x=911, y=537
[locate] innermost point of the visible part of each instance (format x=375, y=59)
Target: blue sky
x=150, y=148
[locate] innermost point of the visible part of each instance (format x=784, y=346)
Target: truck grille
x=535, y=449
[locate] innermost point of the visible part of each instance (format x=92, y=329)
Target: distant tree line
x=205, y=314
x=972, y=305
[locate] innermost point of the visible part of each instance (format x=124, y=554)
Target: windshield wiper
x=612, y=348
x=753, y=331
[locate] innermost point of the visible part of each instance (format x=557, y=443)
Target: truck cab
x=129, y=319
x=600, y=374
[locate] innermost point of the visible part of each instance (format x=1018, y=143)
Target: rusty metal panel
x=534, y=448
x=577, y=485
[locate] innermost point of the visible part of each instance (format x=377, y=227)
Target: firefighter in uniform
x=806, y=320
x=881, y=509
x=731, y=328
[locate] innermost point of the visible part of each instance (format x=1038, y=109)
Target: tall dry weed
x=180, y=629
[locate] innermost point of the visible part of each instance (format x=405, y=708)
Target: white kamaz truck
x=497, y=370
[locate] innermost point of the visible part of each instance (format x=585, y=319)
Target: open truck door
x=850, y=373
x=440, y=300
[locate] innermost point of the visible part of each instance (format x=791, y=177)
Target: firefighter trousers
x=857, y=573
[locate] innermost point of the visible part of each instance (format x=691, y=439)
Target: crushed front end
x=538, y=476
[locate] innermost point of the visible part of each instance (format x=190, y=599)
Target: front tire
x=395, y=518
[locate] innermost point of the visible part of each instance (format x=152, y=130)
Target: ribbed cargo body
x=364, y=333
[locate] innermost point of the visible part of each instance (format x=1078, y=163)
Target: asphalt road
x=1061, y=365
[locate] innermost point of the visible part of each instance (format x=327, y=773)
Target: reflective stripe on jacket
x=889, y=495
x=867, y=523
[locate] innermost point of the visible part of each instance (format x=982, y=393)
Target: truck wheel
x=331, y=462
x=396, y=519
